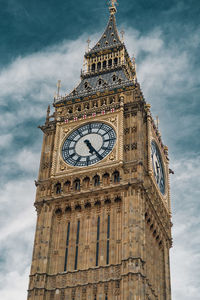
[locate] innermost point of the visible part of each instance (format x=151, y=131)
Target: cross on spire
x=112, y=7
x=113, y=2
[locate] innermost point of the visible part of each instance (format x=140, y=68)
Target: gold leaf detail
x=111, y=157
x=66, y=130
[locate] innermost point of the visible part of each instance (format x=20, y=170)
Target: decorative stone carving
x=62, y=165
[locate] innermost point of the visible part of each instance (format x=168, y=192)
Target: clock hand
x=91, y=149
x=158, y=172
x=157, y=167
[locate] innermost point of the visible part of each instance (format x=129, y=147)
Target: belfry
x=103, y=199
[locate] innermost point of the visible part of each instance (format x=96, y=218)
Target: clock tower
x=103, y=201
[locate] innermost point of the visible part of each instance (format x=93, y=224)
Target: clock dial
x=88, y=144
x=158, y=167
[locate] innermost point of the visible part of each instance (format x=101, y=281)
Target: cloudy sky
x=43, y=41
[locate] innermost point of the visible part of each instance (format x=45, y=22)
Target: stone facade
x=103, y=231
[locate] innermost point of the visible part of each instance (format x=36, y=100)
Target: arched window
x=107, y=201
x=100, y=81
x=87, y=205
x=96, y=179
x=95, y=104
x=104, y=64
x=78, y=108
x=86, y=182
x=58, y=188
x=99, y=66
x=97, y=203
x=93, y=67
x=86, y=106
x=106, y=179
x=115, y=60
x=118, y=199
x=67, y=185
x=78, y=207
x=70, y=110
x=116, y=177
x=77, y=185
x=110, y=63
x=112, y=99
x=68, y=209
x=58, y=212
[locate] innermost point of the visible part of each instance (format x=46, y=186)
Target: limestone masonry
x=103, y=199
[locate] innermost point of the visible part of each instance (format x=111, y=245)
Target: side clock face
x=88, y=144
x=158, y=167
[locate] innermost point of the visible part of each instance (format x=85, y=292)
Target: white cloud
x=5, y=140
x=27, y=159
x=164, y=69
x=17, y=223
x=29, y=83
x=185, y=255
x=19, y=283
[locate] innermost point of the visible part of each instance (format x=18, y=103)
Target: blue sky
x=43, y=41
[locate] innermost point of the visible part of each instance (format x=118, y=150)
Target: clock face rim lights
x=68, y=148
x=160, y=166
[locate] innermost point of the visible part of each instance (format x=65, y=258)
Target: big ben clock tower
x=103, y=202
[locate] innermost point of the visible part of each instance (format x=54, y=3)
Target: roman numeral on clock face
x=78, y=159
x=89, y=128
x=106, y=148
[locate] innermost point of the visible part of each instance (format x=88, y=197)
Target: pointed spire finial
x=58, y=86
x=48, y=113
x=88, y=42
x=112, y=6
x=122, y=34
x=157, y=122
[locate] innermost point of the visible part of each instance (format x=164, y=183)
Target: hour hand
x=91, y=149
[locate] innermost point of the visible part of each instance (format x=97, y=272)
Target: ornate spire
x=110, y=37
x=107, y=65
x=113, y=8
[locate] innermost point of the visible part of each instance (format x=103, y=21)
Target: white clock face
x=88, y=144
x=158, y=167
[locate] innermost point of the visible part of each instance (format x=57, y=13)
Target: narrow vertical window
x=77, y=241
x=97, y=245
x=67, y=244
x=108, y=240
